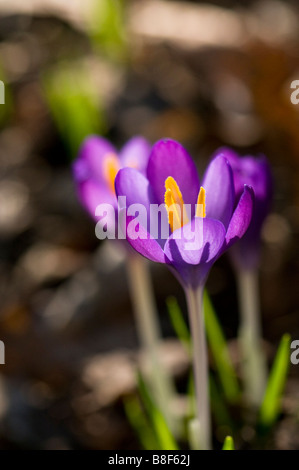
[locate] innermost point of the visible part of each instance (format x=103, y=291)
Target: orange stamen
x=201, y=203
x=177, y=215
x=111, y=167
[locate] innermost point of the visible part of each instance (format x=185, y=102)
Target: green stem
x=253, y=358
x=150, y=336
x=200, y=365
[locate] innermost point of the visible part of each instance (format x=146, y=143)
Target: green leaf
x=220, y=353
x=74, y=104
x=178, y=322
x=228, y=443
x=108, y=28
x=271, y=404
x=162, y=432
x=140, y=423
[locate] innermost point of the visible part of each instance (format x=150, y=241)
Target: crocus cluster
x=227, y=207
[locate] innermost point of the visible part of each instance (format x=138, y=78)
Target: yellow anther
x=111, y=167
x=177, y=215
x=201, y=203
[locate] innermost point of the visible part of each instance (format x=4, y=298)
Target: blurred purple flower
x=255, y=172
x=96, y=167
x=172, y=177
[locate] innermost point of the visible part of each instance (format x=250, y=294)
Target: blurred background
x=206, y=73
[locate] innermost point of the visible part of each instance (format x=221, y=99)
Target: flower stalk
x=150, y=336
x=194, y=299
x=254, y=366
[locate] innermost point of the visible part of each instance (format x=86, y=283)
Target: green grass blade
x=178, y=323
x=272, y=399
x=162, y=432
x=140, y=423
x=219, y=349
x=219, y=406
x=228, y=443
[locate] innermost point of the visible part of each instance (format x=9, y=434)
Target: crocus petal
x=241, y=218
x=144, y=243
x=134, y=186
x=169, y=158
x=229, y=155
x=193, y=264
x=234, y=161
x=193, y=248
x=80, y=170
x=91, y=194
x=135, y=153
x=256, y=172
x=94, y=152
x=265, y=169
x=219, y=186
x=139, y=197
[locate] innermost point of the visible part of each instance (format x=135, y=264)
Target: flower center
x=111, y=167
x=174, y=202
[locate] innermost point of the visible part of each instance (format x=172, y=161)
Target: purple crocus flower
x=97, y=165
x=172, y=178
x=255, y=172
x=172, y=183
